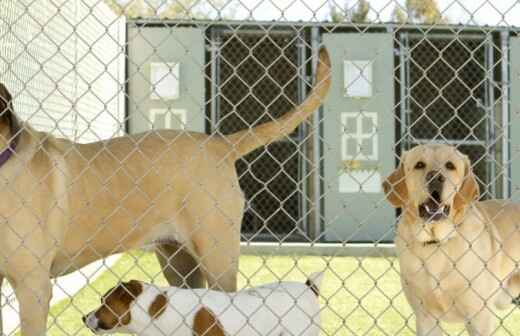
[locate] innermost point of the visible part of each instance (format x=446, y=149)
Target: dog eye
x=420, y=165
x=450, y=165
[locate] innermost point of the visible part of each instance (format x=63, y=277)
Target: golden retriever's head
x=433, y=185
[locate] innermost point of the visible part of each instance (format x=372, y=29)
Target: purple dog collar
x=6, y=154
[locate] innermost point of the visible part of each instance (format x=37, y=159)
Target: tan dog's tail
x=244, y=142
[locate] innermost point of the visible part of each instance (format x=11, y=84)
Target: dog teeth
x=433, y=212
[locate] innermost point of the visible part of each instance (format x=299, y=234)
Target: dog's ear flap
x=7, y=116
x=132, y=289
x=395, y=186
x=469, y=190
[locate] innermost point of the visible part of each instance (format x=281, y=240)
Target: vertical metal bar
x=318, y=131
x=506, y=148
x=484, y=105
x=403, y=88
x=215, y=82
x=75, y=127
x=302, y=134
x=127, y=94
x=490, y=107
x=408, y=94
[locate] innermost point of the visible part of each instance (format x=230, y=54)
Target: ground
x=361, y=296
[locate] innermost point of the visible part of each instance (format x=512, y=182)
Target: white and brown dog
x=281, y=308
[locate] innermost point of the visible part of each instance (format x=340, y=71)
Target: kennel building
x=392, y=88
x=64, y=65
x=406, y=85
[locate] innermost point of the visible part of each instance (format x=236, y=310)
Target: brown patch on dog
x=206, y=324
x=115, y=311
x=158, y=306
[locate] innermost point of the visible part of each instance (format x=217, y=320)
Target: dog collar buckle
x=432, y=242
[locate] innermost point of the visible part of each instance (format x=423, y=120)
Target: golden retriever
x=458, y=256
x=64, y=204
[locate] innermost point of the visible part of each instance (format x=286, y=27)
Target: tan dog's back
x=504, y=215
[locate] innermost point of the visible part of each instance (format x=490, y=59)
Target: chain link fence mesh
x=104, y=72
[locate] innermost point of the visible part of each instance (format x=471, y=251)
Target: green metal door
x=165, y=78
x=359, y=137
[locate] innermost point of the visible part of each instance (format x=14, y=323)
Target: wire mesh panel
x=448, y=97
x=259, y=167
x=270, y=176
x=460, y=75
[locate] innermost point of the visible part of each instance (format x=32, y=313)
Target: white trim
x=179, y=114
x=358, y=136
x=319, y=249
x=164, y=80
x=357, y=78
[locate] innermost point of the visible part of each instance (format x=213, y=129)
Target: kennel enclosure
x=451, y=85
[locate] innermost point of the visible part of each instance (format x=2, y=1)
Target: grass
x=360, y=296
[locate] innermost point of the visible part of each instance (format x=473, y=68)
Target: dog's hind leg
x=219, y=257
x=509, y=293
x=513, y=288
x=179, y=267
x=483, y=323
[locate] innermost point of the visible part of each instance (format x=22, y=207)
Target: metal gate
x=272, y=178
x=451, y=93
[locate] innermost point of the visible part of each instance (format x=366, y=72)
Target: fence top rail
x=458, y=28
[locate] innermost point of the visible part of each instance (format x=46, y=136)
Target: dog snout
x=435, y=181
x=90, y=321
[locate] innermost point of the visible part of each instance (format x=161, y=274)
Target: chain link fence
x=123, y=147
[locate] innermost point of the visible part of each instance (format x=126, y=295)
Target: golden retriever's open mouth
x=433, y=210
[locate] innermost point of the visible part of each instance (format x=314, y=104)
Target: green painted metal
x=150, y=51
x=359, y=136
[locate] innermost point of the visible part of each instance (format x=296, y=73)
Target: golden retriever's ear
x=469, y=191
x=395, y=186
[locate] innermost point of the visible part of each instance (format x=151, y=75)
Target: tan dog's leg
x=34, y=294
x=179, y=267
x=514, y=287
x=427, y=325
x=509, y=294
x=219, y=256
x=482, y=324
x=221, y=270
x=216, y=236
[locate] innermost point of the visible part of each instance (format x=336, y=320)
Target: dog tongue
x=431, y=206
x=433, y=209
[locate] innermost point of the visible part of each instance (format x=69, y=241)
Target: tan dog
x=458, y=256
x=64, y=205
